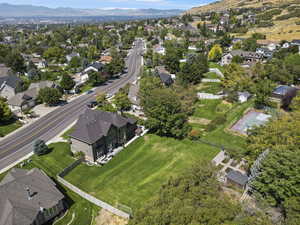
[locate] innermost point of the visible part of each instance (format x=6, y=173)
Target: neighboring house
x=243, y=96
x=248, y=57
x=164, y=75
x=159, y=49
x=29, y=197
x=42, y=84
x=236, y=178
x=9, y=85
x=27, y=99
x=284, y=94
x=71, y=56
x=4, y=70
x=295, y=43
x=96, y=67
x=265, y=52
x=96, y=133
x=106, y=59
x=39, y=63
x=23, y=101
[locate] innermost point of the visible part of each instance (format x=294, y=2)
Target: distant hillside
x=9, y=10
x=228, y=4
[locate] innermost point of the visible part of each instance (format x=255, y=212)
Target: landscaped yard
x=136, y=173
x=207, y=109
x=53, y=163
x=216, y=65
x=212, y=88
x=7, y=128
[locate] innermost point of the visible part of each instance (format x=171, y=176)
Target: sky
x=158, y=4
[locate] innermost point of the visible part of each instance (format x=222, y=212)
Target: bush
x=219, y=120
x=40, y=147
x=194, y=135
x=79, y=155
x=223, y=108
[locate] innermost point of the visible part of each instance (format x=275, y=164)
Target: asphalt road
x=19, y=144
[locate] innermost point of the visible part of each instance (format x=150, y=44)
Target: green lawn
x=67, y=133
x=207, y=108
x=211, y=75
x=212, y=88
x=136, y=173
x=216, y=65
x=52, y=164
x=6, y=128
x=86, y=88
x=222, y=136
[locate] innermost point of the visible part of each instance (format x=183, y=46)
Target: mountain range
x=9, y=10
x=229, y=4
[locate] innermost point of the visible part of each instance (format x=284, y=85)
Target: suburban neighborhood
x=191, y=118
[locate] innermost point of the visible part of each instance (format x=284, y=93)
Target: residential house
x=159, y=49
x=284, y=95
x=243, y=96
x=96, y=67
x=265, y=52
x=29, y=197
x=4, y=70
x=96, y=133
x=295, y=42
x=248, y=57
x=106, y=59
x=9, y=86
x=71, y=56
x=27, y=99
x=39, y=63
x=164, y=75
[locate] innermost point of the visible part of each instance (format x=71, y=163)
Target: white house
x=243, y=96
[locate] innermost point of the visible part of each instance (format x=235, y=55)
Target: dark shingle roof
x=11, y=81
x=94, y=124
x=283, y=90
x=15, y=207
x=237, y=177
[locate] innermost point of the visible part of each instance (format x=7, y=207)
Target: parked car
x=92, y=104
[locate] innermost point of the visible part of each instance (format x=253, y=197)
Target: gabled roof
x=95, y=124
x=283, y=90
x=11, y=80
x=15, y=206
x=237, y=177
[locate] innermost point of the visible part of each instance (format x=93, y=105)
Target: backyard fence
x=87, y=196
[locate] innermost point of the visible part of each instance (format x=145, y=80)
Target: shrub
x=194, y=135
x=79, y=155
x=40, y=147
x=223, y=108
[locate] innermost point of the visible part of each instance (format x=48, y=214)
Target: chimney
x=28, y=193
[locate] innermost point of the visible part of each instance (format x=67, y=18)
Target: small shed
x=237, y=178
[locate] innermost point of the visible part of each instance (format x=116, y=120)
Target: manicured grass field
x=7, y=128
x=207, y=109
x=223, y=137
x=136, y=173
x=52, y=163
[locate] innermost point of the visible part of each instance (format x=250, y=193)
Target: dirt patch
x=201, y=121
x=226, y=103
x=106, y=218
x=161, y=148
x=146, y=137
